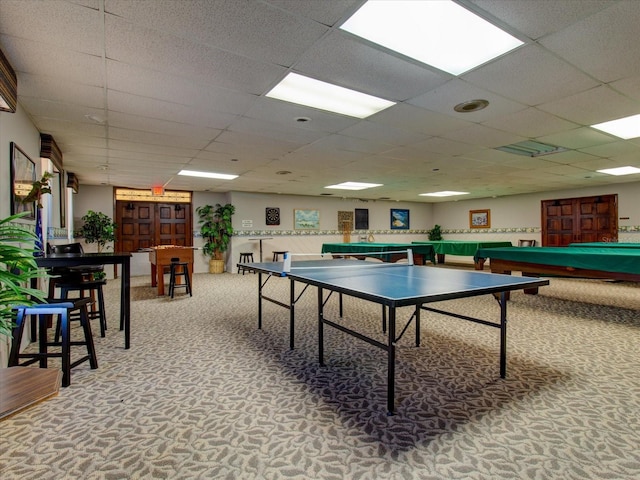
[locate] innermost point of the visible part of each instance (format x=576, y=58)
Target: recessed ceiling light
x=283, y=172
x=220, y=176
x=471, y=106
x=620, y=170
x=445, y=193
x=310, y=92
x=303, y=119
x=354, y=186
x=628, y=127
x=439, y=33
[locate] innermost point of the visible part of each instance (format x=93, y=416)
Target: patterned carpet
x=204, y=394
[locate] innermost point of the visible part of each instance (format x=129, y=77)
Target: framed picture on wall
x=399, y=219
x=23, y=175
x=480, y=218
x=362, y=218
x=306, y=219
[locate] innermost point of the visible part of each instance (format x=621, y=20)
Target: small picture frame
x=23, y=176
x=306, y=219
x=399, y=219
x=480, y=218
x=362, y=218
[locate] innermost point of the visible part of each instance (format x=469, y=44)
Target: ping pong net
x=287, y=266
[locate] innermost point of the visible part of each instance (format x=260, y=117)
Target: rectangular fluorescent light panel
x=620, y=171
x=628, y=127
x=439, y=33
x=220, y=176
x=354, y=186
x=530, y=148
x=445, y=193
x=313, y=93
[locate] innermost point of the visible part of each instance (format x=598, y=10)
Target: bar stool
x=276, y=255
x=183, y=268
x=246, y=257
x=94, y=287
x=43, y=311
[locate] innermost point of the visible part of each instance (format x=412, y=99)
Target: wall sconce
x=72, y=182
x=130, y=206
x=8, y=86
x=178, y=208
x=49, y=149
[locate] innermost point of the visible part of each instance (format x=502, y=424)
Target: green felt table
x=421, y=253
x=605, y=245
x=583, y=262
x=466, y=248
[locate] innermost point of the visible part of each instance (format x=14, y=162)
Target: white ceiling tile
x=530, y=123
x=531, y=76
x=597, y=105
x=601, y=44
x=348, y=62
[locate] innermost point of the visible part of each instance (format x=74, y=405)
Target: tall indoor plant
x=17, y=268
x=216, y=229
x=97, y=228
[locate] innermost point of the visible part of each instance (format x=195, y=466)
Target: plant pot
x=216, y=266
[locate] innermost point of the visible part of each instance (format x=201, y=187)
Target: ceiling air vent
x=531, y=149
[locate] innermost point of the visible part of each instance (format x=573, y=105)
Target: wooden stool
x=276, y=255
x=94, y=287
x=179, y=269
x=44, y=311
x=246, y=257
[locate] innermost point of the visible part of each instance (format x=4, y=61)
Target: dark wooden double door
x=148, y=224
x=579, y=220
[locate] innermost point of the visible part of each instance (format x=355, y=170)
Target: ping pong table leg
x=391, y=362
x=259, y=300
x=417, y=315
x=292, y=314
x=320, y=328
x=503, y=334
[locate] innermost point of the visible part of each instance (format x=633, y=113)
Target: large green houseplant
x=17, y=268
x=97, y=228
x=216, y=229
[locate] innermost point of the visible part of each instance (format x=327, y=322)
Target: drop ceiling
x=135, y=91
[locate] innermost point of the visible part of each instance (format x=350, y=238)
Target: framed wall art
x=480, y=218
x=306, y=219
x=399, y=219
x=362, y=218
x=23, y=175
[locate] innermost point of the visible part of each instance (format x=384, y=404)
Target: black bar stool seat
x=277, y=253
x=63, y=310
x=246, y=257
x=179, y=269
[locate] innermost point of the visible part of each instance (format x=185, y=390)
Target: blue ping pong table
x=392, y=286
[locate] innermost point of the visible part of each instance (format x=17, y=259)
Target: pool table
x=465, y=248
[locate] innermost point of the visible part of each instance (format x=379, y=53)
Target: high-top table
x=160, y=257
x=110, y=258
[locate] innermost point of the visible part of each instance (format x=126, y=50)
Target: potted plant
x=435, y=234
x=97, y=228
x=216, y=230
x=17, y=268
